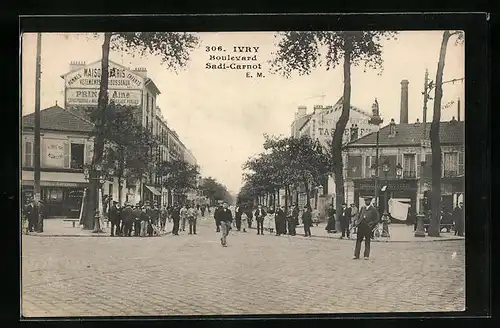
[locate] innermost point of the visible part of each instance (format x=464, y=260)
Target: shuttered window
x=28, y=154
x=461, y=159
x=66, y=155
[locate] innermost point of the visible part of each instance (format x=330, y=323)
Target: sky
x=221, y=115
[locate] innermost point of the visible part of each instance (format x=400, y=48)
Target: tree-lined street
x=194, y=275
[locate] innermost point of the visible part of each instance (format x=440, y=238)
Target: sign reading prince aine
x=75, y=97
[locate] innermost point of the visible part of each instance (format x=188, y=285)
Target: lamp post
x=374, y=174
x=100, y=176
x=385, y=216
x=376, y=120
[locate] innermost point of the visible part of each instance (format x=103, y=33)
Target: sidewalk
x=60, y=228
x=398, y=232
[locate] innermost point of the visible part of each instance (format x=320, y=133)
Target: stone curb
x=101, y=235
x=419, y=240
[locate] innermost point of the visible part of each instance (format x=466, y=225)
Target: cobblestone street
x=195, y=275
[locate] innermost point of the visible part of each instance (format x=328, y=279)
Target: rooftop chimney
x=403, y=115
x=392, y=128
x=458, y=109
x=317, y=108
x=142, y=71
x=417, y=122
x=301, y=112
x=75, y=65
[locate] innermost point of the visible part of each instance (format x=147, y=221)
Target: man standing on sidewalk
x=176, y=217
x=183, y=214
x=192, y=216
x=307, y=221
x=345, y=217
x=260, y=214
x=368, y=217
x=226, y=218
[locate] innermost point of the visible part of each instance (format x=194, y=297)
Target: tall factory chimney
x=403, y=115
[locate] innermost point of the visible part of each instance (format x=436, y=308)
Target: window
x=409, y=166
x=461, y=163
x=110, y=190
x=450, y=164
x=147, y=122
x=354, y=164
x=368, y=172
x=28, y=154
x=77, y=155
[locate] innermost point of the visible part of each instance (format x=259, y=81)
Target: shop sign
x=88, y=97
x=89, y=77
x=54, y=152
x=391, y=185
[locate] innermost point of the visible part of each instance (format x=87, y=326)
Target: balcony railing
x=409, y=174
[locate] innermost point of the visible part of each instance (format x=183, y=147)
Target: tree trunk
x=120, y=173
x=102, y=103
x=436, y=142
x=286, y=199
x=308, y=196
x=338, y=168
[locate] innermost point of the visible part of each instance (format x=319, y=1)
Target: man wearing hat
x=345, y=218
x=136, y=214
x=127, y=220
x=368, y=217
x=114, y=218
x=41, y=216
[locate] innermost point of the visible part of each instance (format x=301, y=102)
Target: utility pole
x=458, y=110
x=37, y=195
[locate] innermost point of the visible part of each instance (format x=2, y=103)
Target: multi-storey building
x=400, y=148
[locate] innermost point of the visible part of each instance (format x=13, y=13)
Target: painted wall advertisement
x=89, y=77
x=54, y=153
x=88, y=97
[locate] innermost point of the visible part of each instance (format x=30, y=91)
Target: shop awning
x=153, y=190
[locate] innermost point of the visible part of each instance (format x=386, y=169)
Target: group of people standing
x=35, y=214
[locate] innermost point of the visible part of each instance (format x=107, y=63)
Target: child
x=271, y=221
x=244, y=222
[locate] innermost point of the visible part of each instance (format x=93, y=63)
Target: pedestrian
x=136, y=213
x=244, y=221
x=202, y=209
x=330, y=227
x=32, y=214
x=315, y=217
x=163, y=217
x=291, y=223
x=114, y=219
x=307, y=221
x=226, y=217
x=41, y=216
x=176, y=217
x=144, y=222
x=183, y=213
x=128, y=220
x=260, y=214
x=345, y=217
x=237, y=217
x=280, y=221
x=295, y=214
x=216, y=217
x=270, y=220
x=368, y=218
x=459, y=219
x=354, y=217
x=250, y=217
x=192, y=217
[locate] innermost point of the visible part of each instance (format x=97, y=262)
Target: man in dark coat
x=226, y=218
x=114, y=219
x=307, y=221
x=260, y=214
x=459, y=219
x=32, y=215
x=136, y=214
x=345, y=218
x=280, y=221
x=127, y=220
x=41, y=216
x=176, y=218
x=295, y=214
x=291, y=222
x=368, y=218
x=216, y=217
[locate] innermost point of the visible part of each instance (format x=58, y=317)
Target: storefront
x=403, y=189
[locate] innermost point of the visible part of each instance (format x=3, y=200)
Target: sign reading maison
x=89, y=77
x=76, y=97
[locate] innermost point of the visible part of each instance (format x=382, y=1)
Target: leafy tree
x=178, y=175
x=173, y=48
x=214, y=190
x=304, y=51
x=434, y=135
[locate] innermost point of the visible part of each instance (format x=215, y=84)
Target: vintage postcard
x=239, y=173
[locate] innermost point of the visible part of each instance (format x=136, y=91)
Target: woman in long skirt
x=244, y=222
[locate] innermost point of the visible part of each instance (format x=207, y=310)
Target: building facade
x=320, y=126
x=66, y=146
x=400, y=146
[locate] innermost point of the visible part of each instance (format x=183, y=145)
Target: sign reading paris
x=90, y=77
